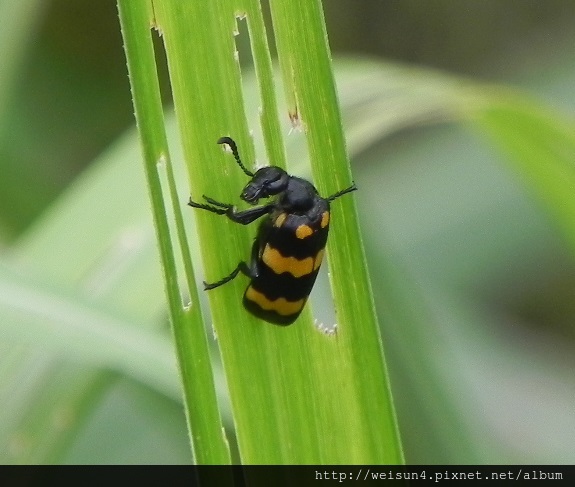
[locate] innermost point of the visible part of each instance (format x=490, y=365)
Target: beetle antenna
x=234, y=147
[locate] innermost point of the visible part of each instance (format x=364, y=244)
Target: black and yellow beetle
x=289, y=247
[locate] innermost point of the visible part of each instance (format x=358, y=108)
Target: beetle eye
x=277, y=185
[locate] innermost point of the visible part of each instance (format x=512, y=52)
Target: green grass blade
x=542, y=149
x=206, y=432
x=298, y=395
x=76, y=317
x=269, y=121
x=23, y=16
x=307, y=74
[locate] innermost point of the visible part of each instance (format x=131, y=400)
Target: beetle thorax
x=299, y=196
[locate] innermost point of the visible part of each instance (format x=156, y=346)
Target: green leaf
x=95, y=279
x=541, y=146
x=298, y=395
x=23, y=15
x=81, y=303
x=206, y=430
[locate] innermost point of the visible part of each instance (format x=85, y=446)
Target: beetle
x=290, y=243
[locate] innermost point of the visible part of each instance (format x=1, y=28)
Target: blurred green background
x=86, y=367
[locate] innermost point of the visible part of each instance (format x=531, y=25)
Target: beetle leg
x=212, y=201
x=244, y=217
x=202, y=206
x=242, y=267
x=353, y=187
